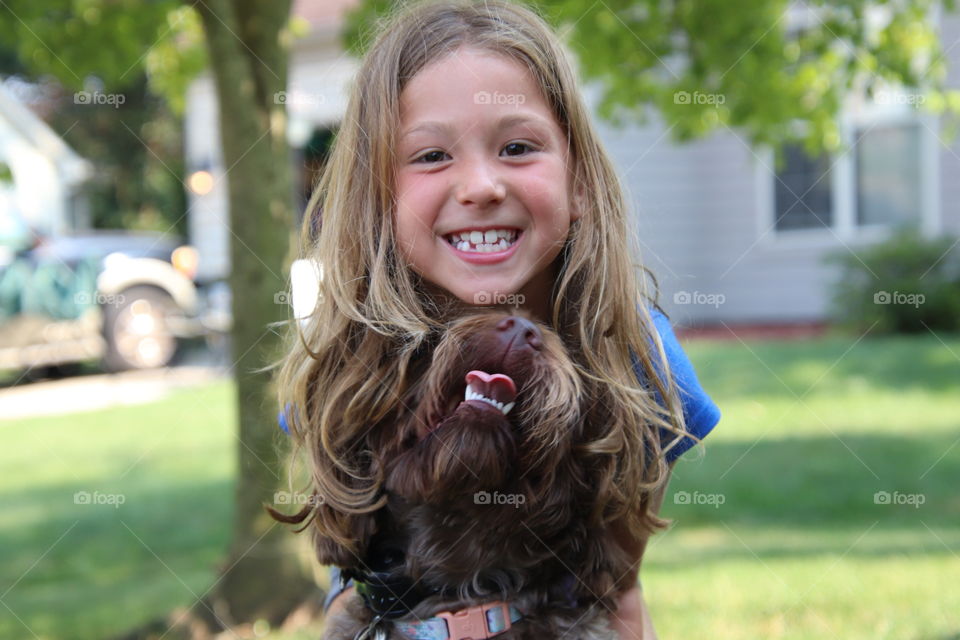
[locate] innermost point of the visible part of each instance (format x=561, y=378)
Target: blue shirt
x=699, y=411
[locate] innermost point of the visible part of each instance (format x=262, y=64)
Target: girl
x=467, y=173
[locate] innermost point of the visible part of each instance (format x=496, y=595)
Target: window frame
x=854, y=120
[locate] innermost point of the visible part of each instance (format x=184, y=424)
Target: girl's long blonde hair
x=348, y=368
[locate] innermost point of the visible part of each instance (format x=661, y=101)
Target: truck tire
x=135, y=329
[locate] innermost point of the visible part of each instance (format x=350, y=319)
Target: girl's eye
x=431, y=156
x=515, y=146
x=511, y=149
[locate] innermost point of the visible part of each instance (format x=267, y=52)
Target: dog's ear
x=339, y=538
x=346, y=544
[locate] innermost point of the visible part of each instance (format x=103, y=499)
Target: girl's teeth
x=483, y=248
x=484, y=241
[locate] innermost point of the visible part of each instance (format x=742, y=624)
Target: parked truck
x=126, y=299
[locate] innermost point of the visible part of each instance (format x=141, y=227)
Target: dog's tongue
x=498, y=386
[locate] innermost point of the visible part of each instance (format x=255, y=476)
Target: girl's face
x=483, y=186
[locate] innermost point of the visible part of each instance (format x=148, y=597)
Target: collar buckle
x=481, y=621
x=473, y=623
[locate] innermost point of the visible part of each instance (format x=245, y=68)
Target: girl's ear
x=578, y=201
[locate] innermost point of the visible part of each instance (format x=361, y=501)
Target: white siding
x=705, y=219
x=950, y=155
x=697, y=208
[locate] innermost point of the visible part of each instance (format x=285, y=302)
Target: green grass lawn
x=798, y=547
x=794, y=545
x=89, y=570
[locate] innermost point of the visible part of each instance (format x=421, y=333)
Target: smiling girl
x=484, y=183
x=467, y=174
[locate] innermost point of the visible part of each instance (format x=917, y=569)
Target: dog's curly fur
x=553, y=549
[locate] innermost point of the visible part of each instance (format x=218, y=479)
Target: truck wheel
x=136, y=331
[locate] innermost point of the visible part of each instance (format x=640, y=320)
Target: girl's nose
x=479, y=184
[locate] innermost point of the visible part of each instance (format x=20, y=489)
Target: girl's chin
x=480, y=294
x=486, y=294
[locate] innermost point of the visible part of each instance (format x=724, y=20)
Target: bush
x=904, y=284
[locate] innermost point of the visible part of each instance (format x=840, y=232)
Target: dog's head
x=499, y=406
x=493, y=404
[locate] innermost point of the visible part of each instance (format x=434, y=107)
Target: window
x=802, y=191
x=888, y=175
x=885, y=176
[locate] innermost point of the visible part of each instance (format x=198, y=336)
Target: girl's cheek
x=539, y=182
x=409, y=183
x=418, y=205
x=422, y=189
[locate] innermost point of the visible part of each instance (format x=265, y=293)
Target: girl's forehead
x=467, y=68
x=469, y=77
x=471, y=56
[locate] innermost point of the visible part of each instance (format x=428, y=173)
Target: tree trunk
x=247, y=43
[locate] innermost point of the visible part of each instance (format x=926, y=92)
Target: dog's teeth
x=470, y=394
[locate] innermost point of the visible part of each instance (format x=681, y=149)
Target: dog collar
x=386, y=594
x=480, y=621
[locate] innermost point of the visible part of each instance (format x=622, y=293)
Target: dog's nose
x=518, y=331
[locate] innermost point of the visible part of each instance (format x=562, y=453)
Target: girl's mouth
x=484, y=247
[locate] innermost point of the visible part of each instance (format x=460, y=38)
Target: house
x=724, y=232
x=730, y=237
x=40, y=176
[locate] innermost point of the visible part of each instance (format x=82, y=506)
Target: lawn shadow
x=887, y=363
x=149, y=554
x=900, y=488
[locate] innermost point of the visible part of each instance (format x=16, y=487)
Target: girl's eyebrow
x=505, y=121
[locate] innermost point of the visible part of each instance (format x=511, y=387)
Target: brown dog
x=491, y=511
